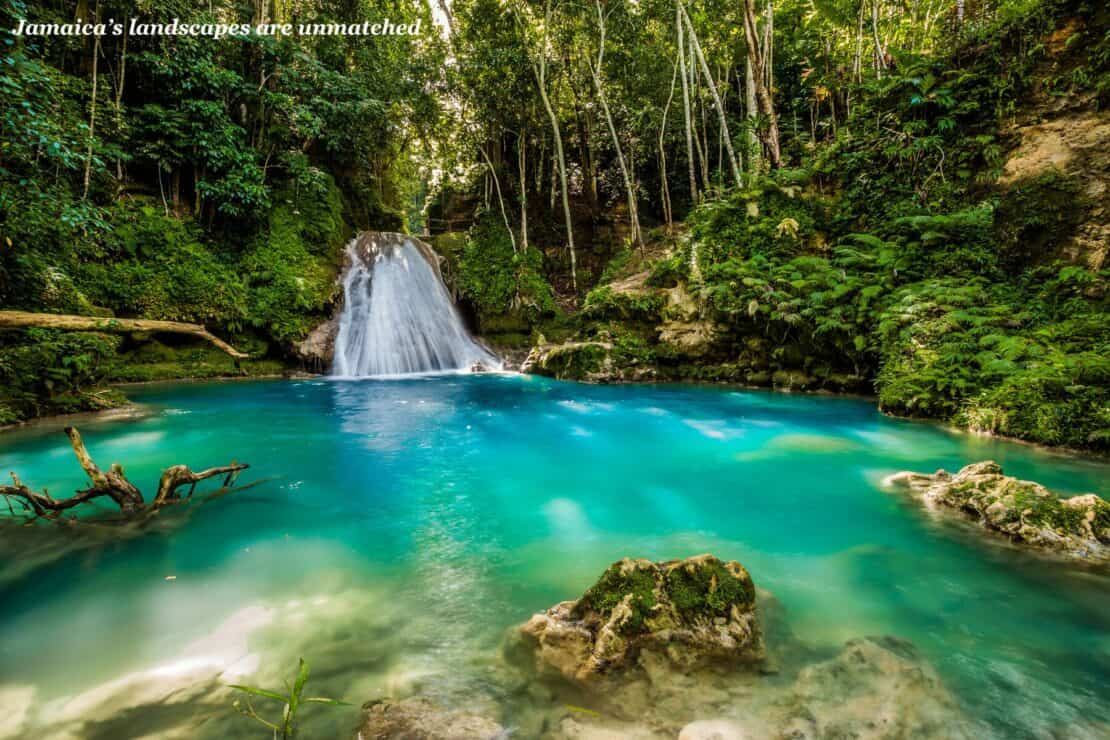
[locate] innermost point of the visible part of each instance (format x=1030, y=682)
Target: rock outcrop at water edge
x=1026, y=512
x=683, y=614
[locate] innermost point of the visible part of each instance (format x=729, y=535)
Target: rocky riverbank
x=1026, y=513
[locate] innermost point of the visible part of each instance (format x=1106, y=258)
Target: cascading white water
x=398, y=318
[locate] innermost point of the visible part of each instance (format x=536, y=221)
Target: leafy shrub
x=44, y=371
x=636, y=306
x=499, y=280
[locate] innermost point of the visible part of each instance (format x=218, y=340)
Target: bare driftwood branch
x=114, y=485
x=29, y=320
x=176, y=476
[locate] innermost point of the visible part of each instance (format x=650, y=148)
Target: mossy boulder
x=1025, y=512
x=677, y=615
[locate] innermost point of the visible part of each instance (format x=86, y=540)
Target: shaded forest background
x=900, y=198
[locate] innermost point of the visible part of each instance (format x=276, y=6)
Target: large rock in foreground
x=682, y=614
x=1026, y=512
x=417, y=718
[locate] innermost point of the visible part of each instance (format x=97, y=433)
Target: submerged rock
x=417, y=718
x=714, y=729
x=680, y=614
x=1026, y=512
x=875, y=689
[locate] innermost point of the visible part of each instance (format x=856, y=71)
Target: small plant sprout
x=286, y=727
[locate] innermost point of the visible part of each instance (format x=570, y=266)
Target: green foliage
x=291, y=267
x=292, y=702
x=634, y=306
x=498, y=279
x=669, y=272
x=767, y=219
x=1035, y=215
x=52, y=372
x=159, y=267
x=997, y=359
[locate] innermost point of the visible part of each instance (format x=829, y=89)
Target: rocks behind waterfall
x=681, y=614
x=1026, y=512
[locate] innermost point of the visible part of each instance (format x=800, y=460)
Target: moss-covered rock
x=679, y=614
x=1025, y=512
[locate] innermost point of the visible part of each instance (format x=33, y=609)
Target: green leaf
x=260, y=692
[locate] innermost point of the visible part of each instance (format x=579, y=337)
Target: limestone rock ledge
x=1026, y=512
x=682, y=614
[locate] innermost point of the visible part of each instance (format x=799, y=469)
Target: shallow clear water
x=405, y=525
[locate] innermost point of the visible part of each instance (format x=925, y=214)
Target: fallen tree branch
x=30, y=320
x=176, y=476
x=113, y=484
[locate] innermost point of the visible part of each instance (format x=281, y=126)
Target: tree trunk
x=716, y=98
x=665, y=187
x=119, y=101
x=599, y=85
x=686, y=104
x=522, y=172
x=92, y=111
x=540, y=71
x=880, y=53
x=753, y=117
x=762, y=94
x=857, y=61
x=28, y=320
x=500, y=200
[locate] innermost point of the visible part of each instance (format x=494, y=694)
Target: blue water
x=400, y=527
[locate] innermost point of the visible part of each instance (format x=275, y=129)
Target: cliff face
x=1059, y=135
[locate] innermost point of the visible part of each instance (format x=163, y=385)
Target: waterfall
x=398, y=318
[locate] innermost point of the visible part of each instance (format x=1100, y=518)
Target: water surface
x=405, y=525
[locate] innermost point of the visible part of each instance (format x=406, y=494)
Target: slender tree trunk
x=599, y=85
x=540, y=71
x=769, y=49
x=762, y=94
x=753, y=118
x=880, y=53
x=175, y=189
x=522, y=170
x=716, y=98
x=92, y=111
x=666, y=190
x=500, y=200
x=857, y=61
x=119, y=100
x=686, y=104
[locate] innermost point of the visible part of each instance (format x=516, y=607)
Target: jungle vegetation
x=831, y=180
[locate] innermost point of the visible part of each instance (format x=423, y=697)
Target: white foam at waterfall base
x=398, y=319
